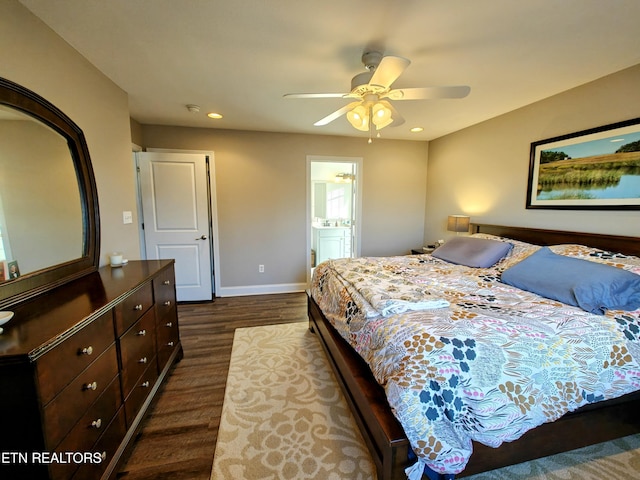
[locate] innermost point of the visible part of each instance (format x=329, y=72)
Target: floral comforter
x=489, y=362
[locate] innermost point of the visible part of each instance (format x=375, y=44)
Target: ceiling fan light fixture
x=359, y=118
x=381, y=115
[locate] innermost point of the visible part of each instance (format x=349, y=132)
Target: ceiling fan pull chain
x=370, y=126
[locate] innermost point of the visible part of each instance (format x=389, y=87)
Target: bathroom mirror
x=49, y=221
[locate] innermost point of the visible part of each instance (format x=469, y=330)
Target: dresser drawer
x=62, y=413
x=59, y=366
x=140, y=392
x=168, y=338
x=137, y=350
x=164, y=291
x=106, y=446
x=133, y=307
x=89, y=429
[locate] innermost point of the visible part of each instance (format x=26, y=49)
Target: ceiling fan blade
x=337, y=114
x=428, y=93
x=388, y=71
x=315, y=95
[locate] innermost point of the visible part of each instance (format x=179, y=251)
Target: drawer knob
x=90, y=386
x=143, y=360
x=167, y=303
x=145, y=384
x=169, y=324
x=87, y=350
x=170, y=344
x=97, y=423
x=141, y=333
x=138, y=307
x=167, y=282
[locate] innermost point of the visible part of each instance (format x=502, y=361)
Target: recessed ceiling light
x=214, y=115
x=417, y=129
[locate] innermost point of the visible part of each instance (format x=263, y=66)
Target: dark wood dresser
x=80, y=365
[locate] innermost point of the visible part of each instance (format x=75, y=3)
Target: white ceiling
x=238, y=57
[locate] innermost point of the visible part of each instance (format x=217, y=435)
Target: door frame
x=213, y=212
x=357, y=207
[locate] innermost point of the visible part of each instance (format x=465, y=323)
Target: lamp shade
x=381, y=115
x=458, y=223
x=359, y=118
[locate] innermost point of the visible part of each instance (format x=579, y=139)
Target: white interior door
x=176, y=216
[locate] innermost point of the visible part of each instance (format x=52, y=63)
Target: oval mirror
x=49, y=221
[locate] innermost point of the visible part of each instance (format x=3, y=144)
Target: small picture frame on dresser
x=13, y=270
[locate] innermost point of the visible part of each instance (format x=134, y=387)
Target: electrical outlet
x=260, y=268
x=127, y=217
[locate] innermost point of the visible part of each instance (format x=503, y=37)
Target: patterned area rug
x=284, y=417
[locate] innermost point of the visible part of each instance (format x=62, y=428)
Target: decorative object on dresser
x=87, y=348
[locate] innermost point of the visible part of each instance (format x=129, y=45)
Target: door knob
x=203, y=237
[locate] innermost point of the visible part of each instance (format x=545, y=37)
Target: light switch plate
x=127, y=217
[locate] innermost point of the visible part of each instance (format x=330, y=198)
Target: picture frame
x=13, y=270
x=595, y=169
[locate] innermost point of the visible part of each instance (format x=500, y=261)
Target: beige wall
x=35, y=57
x=482, y=171
x=136, y=132
x=262, y=194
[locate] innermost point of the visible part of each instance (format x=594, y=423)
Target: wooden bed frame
x=385, y=437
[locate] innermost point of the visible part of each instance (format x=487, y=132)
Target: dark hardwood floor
x=179, y=434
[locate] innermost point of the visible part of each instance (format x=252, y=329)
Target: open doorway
x=334, y=208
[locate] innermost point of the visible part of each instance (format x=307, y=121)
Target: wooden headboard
x=614, y=243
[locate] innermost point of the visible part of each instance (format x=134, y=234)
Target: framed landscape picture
x=593, y=169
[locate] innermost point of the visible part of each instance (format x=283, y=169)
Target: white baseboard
x=261, y=289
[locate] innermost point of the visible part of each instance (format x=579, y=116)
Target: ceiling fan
x=372, y=89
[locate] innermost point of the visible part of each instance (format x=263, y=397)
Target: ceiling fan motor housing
x=361, y=80
x=371, y=60
x=360, y=83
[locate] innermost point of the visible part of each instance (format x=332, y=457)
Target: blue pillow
x=472, y=252
x=594, y=287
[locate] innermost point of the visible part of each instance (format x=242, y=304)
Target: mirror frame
x=35, y=283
